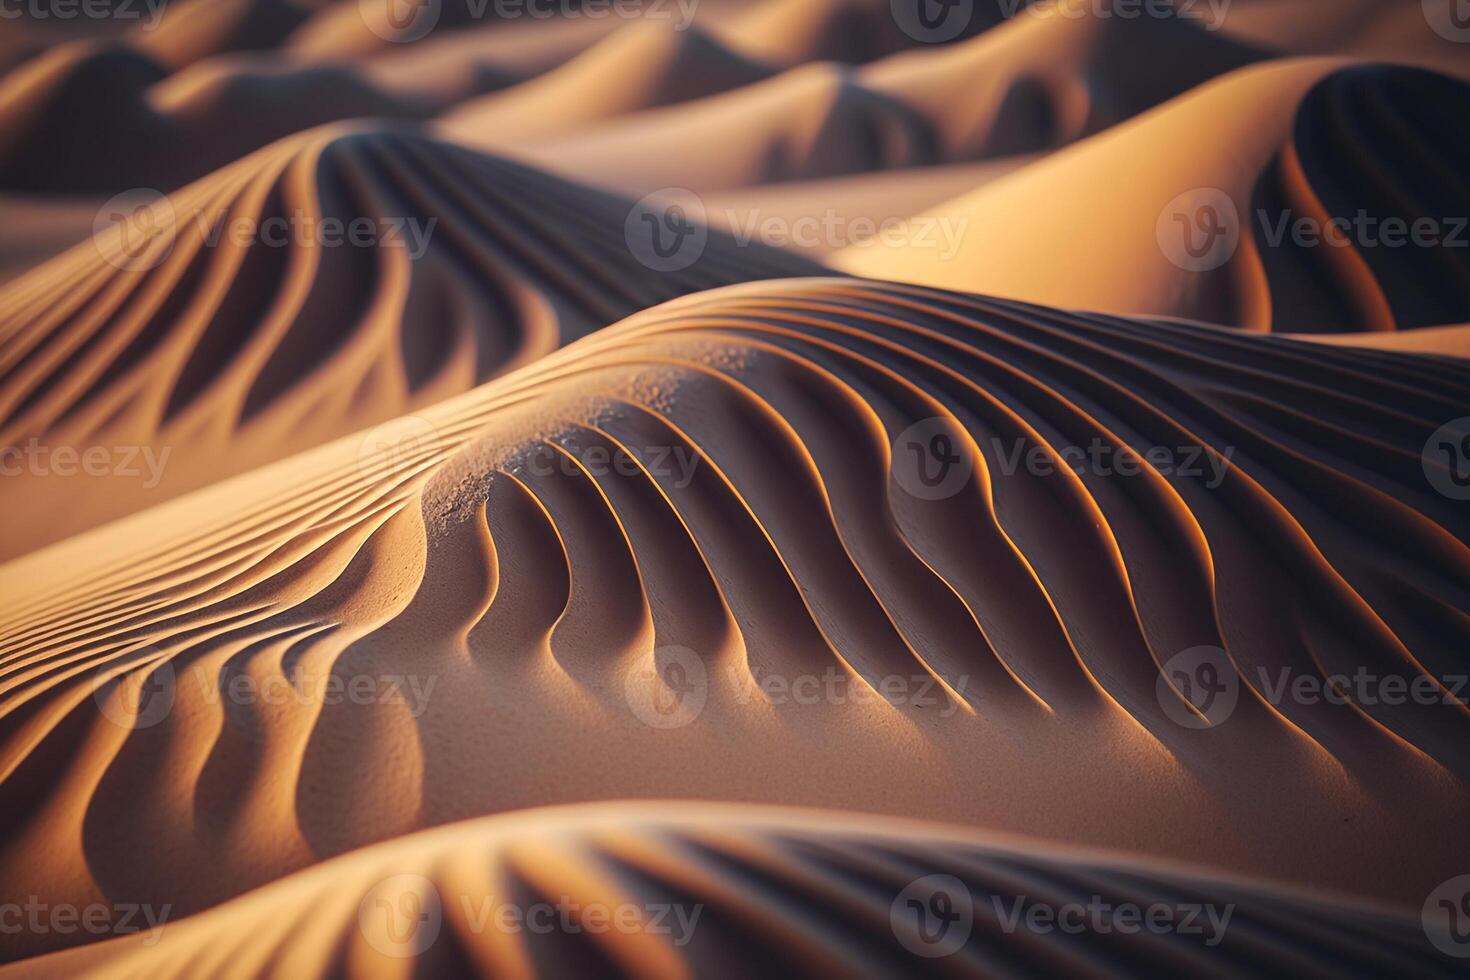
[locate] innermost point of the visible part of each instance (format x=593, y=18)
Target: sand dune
x=715, y=891
x=1368, y=29
x=1033, y=84
x=655, y=65
x=197, y=29
x=1271, y=148
x=326, y=283
x=540, y=613
x=394, y=530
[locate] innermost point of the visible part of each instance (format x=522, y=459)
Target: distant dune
x=1108, y=224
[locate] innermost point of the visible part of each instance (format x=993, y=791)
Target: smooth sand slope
x=586, y=580
x=1127, y=223
x=730, y=891
x=328, y=282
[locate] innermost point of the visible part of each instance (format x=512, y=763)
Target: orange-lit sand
x=755, y=456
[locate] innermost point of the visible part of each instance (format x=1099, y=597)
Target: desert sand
x=830, y=474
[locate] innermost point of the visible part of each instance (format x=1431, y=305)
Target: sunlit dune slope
x=681, y=890
x=715, y=526
x=328, y=282
x=1276, y=217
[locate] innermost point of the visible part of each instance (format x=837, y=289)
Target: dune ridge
x=1271, y=152
x=726, y=891
x=201, y=328
x=481, y=546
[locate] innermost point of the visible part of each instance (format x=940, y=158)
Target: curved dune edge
x=1029, y=85
x=682, y=890
x=328, y=282
x=1273, y=145
x=540, y=597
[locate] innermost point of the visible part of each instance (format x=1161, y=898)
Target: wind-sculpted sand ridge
x=690, y=890
x=328, y=282
x=1079, y=601
x=1279, y=219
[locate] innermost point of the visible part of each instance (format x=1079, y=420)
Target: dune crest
x=728, y=483
x=324, y=284
x=1283, y=248
x=674, y=889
